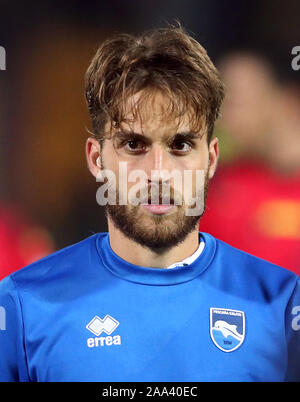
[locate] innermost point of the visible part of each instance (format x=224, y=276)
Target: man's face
x=158, y=146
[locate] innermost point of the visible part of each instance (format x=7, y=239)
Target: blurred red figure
x=258, y=211
x=21, y=242
x=255, y=200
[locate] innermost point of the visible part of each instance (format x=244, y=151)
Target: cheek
x=111, y=159
x=199, y=167
x=198, y=161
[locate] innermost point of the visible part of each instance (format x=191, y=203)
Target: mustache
x=162, y=194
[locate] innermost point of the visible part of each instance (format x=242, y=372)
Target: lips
x=158, y=209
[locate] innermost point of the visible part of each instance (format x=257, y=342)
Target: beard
x=154, y=231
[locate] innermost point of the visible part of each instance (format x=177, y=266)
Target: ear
x=92, y=152
x=213, y=152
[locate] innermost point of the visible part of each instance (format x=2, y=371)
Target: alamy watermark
x=296, y=59
x=2, y=319
x=188, y=188
x=2, y=58
x=296, y=319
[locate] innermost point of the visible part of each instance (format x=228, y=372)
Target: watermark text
x=176, y=188
x=296, y=59
x=2, y=319
x=2, y=58
x=296, y=319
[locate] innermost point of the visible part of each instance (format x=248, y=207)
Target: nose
x=158, y=164
x=156, y=157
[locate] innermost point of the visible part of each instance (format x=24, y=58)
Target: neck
x=134, y=253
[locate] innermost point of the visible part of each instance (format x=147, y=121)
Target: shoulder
x=251, y=260
x=58, y=264
x=251, y=274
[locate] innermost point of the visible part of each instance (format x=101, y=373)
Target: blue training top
x=85, y=314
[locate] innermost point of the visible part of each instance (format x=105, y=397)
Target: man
x=153, y=299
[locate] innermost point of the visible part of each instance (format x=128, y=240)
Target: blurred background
x=47, y=195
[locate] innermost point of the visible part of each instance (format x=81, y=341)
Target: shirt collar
x=155, y=276
x=191, y=258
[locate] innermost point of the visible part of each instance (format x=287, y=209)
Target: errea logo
x=97, y=325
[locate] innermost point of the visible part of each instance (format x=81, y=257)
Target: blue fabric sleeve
x=293, y=335
x=13, y=367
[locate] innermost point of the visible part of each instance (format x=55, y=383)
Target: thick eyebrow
x=131, y=135
x=185, y=136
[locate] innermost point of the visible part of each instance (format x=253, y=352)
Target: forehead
x=154, y=114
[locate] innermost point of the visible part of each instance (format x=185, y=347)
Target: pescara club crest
x=227, y=328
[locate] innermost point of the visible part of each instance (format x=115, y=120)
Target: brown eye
x=181, y=147
x=134, y=146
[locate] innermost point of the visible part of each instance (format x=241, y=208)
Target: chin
x=154, y=231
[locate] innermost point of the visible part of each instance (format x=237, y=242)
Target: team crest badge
x=227, y=328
